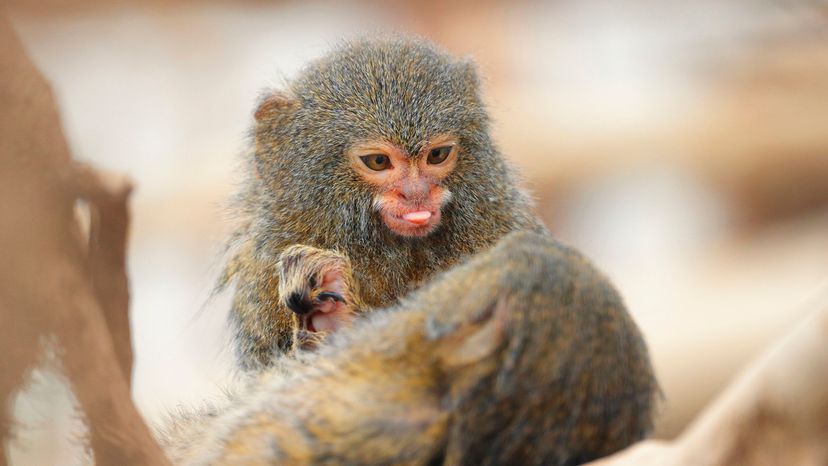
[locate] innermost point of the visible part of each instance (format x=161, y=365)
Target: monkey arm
x=318, y=287
x=289, y=302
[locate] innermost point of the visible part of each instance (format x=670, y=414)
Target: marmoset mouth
x=419, y=222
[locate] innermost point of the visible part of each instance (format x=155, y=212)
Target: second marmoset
x=375, y=165
x=540, y=365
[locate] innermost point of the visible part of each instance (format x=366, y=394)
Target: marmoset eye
x=376, y=162
x=439, y=155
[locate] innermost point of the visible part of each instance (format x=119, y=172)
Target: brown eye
x=376, y=162
x=438, y=155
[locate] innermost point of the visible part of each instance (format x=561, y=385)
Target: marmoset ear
x=472, y=341
x=468, y=70
x=274, y=104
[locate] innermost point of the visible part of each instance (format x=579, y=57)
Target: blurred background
x=683, y=146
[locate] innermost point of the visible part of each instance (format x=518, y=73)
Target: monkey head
x=410, y=188
x=381, y=136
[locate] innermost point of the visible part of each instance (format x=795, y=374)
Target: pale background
x=683, y=146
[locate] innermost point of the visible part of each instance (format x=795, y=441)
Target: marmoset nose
x=414, y=190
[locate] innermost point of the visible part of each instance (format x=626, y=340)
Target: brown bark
x=107, y=195
x=53, y=283
x=773, y=413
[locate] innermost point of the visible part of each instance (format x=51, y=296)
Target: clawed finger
x=330, y=296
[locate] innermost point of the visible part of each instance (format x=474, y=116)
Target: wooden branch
x=50, y=282
x=107, y=195
x=774, y=413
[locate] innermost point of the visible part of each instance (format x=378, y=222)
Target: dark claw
x=299, y=303
x=330, y=296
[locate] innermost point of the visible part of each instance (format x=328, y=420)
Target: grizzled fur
x=539, y=364
x=301, y=188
